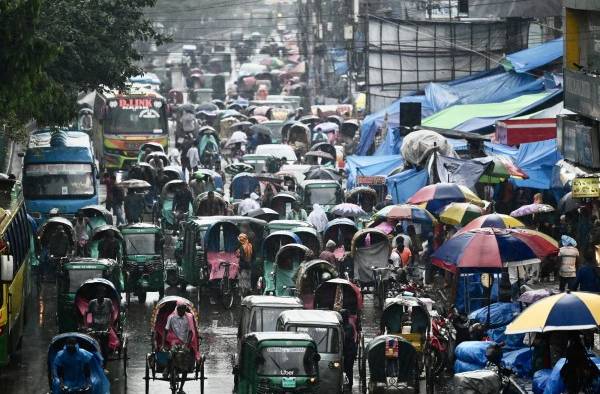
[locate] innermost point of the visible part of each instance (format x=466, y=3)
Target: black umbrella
x=260, y=130
x=207, y=107
x=567, y=203
x=236, y=168
x=266, y=214
x=318, y=153
x=318, y=172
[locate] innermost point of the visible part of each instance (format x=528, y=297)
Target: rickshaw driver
x=108, y=247
x=72, y=367
x=349, y=347
x=56, y=245
x=100, y=309
x=211, y=206
x=181, y=201
x=134, y=206
x=179, y=332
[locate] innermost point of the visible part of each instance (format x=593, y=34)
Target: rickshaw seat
x=113, y=338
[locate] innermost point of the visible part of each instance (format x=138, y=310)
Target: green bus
x=17, y=255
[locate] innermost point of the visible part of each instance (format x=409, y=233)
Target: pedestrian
x=81, y=234
x=296, y=213
x=328, y=253
x=175, y=156
x=109, y=182
x=193, y=158
x=568, y=255
x=318, y=218
x=404, y=252
x=118, y=198
x=248, y=204
x=349, y=347
x=185, y=162
x=588, y=278
x=245, y=254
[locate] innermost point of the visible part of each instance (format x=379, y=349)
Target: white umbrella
x=238, y=137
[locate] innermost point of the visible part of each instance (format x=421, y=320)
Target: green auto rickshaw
x=71, y=274
x=143, y=260
x=327, y=193
x=277, y=362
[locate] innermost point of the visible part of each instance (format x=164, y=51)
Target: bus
x=129, y=121
x=16, y=257
x=60, y=174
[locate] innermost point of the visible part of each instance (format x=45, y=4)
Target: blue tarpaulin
x=370, y=166
x=537, y=159
x=402, y=186
x=532, y=58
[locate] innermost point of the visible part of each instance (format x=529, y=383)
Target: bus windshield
x=58, y=180
x=136, y=115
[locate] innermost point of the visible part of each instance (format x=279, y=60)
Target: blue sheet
x=532, y=58
x=472, y=352
x=402, y=186
x=519, y=361
x=501, y=314
x=555, y=384
x=370, y=166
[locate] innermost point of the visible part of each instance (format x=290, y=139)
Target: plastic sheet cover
x=370, y=166
x=532, y=58
x=418, y=146
x=402, y=186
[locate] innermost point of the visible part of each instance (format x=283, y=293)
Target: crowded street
x=299, y=196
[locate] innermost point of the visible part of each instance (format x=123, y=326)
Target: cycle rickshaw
x=310, y=276
x=371, y=252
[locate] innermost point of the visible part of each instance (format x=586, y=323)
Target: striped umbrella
x=460, y=213
x=413, y=213
x=560, y=312
x=491, y=249
x=437, y=196
x=495, y=220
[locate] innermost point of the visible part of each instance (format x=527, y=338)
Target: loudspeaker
x=410, y=114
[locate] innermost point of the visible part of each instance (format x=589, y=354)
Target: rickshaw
x=172, y=173
x=370, y=253
x=157, y=156
x=200, y=209
x=99, y=383
x=310, y=238
x=337, y=294
x=243, y=183
x=326, y=193
x=237, y=168
x=97, y=236
x=325, y=147
x=48, y=260
x=330, y=131
x=280, y=201
x=277, y=362
x=327, y=330
x=287, y=262
x=97, y=216
x=141, y=187
x=208, y=148
x=310, y=276
x=340, y=231
x=349, y=128
x=144, y=260
x=319, y=158
x=286, y=225
x=163, y=211
x=174, y=364
x=220, y=273
x=153, y=146
x=213, y=180
x=71, y=274
x=299, y=137
x=363, y=196
x=393, y=363
x=114, y=338
x=270, y=247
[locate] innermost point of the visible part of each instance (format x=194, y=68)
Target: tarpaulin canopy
x=370, y=166
x=459, y=171
x=481, y=117
x=532, y=58
x=403, y=185
x=536, y=159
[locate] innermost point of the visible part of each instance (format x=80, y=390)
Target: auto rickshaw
x=392, y=364
x=178, y=364
x=326, y=193
x=310, y=238
x=152, y=146
x=47, y=257
x=144, y=260
x=371, y=250
x=220, y=273
x=287, y=262
x=280, y=202
x=327, y=330
x=99, y=234
x=277, y=362
x=363, y=196
x=340, y=231
x=163, y=212
x=71, y=274
x=243, y=183
x=310, y=276
x=270, y=246
x=98, y=380
x=115, y=338
x=209, y=149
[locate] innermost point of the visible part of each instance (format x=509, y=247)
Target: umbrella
x=499, y=169
x=409, y=212
x=266, y=214
x=207, y=107
x=238, y=137
x=435, y=197
x=241, y=125
x=495, y=220
x=567, y=203
x=317, y=172
x=258, y=129
x=327, y=127
x=531, y=209
x=319, y=153
x=347, y=210
x=531, y=296
x=460, y=213
x=134, y=184
x=308, y=119
x=236, y=168
x=490, y=249
x=561, y=312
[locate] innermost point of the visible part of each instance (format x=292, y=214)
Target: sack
x=461, y=366
x=472, y=352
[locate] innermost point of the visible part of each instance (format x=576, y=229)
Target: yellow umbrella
x=460, y=213
x=562, y=312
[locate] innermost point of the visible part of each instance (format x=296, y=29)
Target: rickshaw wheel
x=127, y=298
x=202, y=375
x=125, y=361
x=142, y=297
x=227, y=300
x=147, y=376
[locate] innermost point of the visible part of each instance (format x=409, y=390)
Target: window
x=327, y=339
x=58, y=180
x=78, y=276
x=124, y=118
x=141, y=244
x=264, y=319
